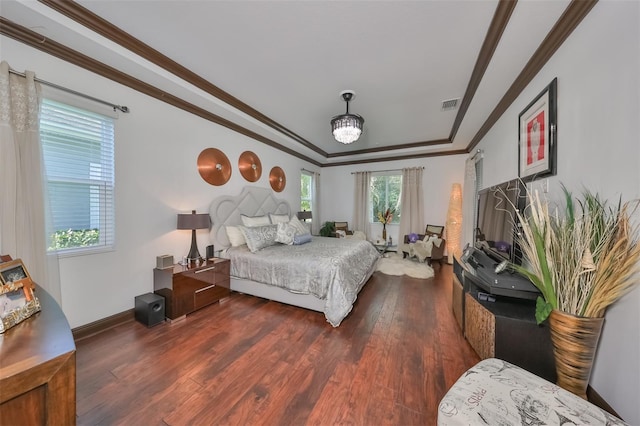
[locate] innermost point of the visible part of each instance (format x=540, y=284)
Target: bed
x=324, y=275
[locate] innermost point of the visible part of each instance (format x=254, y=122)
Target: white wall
x=598, y=148
x=156, y=150
x=440, y=173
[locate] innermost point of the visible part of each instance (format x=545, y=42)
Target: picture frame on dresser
x=537, y=136
x=17, y=300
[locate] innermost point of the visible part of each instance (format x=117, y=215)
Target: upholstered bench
x=495, y=392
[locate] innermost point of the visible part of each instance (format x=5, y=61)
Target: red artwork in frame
x=537, y=136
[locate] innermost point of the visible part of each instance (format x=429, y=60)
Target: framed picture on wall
x=537, y=144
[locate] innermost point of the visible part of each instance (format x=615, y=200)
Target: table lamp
x=193, y=221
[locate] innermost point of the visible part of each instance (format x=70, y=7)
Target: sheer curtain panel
x=315, y=202
x=22, y=222
x=412, y=202
x=361, y=202
x=469, y=203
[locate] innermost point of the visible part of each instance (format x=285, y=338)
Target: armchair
x=428, y=246
x=343, y=227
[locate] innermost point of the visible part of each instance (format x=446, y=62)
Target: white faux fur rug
x=396, y=265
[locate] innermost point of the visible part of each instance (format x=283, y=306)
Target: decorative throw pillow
x=285, y=233
x=300, y=227
x=259, y=237
x=255, y=220
x=235, y=235
x=301, y=239
x=278, y=218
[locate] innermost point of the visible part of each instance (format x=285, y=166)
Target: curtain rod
x=308, y=171
x=115, y=107
x=478, y=153
x=383, y=171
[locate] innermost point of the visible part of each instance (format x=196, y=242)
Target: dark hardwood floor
x=249, y=361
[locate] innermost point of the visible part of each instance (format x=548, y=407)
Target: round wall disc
x=250, y=166
x=214, y=166
x=277, y=179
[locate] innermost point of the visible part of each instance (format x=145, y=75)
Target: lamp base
x=194, y=254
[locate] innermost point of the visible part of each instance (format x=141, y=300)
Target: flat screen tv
x=497, y=223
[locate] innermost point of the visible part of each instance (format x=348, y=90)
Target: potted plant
x=582, y=261
x=327, y=229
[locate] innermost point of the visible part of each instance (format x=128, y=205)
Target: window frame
x=372, y=214
x=101, y=176
x=304, y=174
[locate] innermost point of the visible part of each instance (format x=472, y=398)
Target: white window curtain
x=412, y=202
x=22, y=202
x=361, y=202
x=315, y=203
x=469, y=202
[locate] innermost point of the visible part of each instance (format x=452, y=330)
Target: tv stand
x=505, y=328
x=481, y=270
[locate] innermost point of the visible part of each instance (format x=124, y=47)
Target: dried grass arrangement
x=583, y=260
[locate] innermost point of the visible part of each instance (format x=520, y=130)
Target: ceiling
x=275, y=68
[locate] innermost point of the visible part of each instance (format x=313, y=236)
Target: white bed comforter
x=331, y=269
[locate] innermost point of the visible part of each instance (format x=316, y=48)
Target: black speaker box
x=209, y=252
x=149, y=309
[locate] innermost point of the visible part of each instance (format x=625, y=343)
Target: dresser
x=38, y=369
x=187, y=288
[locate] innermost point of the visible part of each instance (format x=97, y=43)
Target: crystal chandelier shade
x=347, y=128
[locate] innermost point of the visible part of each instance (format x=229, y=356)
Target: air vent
x=450, y=104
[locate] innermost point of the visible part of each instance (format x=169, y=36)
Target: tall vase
x=384, y=231
x=574, y=340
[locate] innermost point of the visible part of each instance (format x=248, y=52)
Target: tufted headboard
x=252, y=201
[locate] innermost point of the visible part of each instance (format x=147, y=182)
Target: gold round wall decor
x=214, y=166
x=250, y=166
x=277, y=179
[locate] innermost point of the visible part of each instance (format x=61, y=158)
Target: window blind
x=78, y=151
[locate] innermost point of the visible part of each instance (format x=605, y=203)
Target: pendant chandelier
x=347, y=128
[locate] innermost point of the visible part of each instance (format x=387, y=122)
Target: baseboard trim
x=102, y=325
x=595, y=398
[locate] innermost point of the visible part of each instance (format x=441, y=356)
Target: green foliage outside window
x=385, y=193
x=305, y=192
x=74, y=238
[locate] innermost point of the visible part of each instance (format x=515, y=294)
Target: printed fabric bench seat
x=495, y=392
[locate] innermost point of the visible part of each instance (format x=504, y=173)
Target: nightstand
x=191, y=287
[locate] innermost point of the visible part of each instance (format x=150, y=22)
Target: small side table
x=187, y=288
x=384, y=248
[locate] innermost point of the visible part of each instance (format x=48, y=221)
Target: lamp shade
x=193, y=221
x=454, y=221
x=304, y=215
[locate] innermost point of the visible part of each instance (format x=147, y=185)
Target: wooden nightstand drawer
x=207, y=295
x=211, y=274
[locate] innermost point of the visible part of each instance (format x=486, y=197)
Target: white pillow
x=236, y=237
x=255, y=220
x=286, y=233
x=300, y=227
x=278, y=218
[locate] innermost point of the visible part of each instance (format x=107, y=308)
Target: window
x=385, y=193
x=306, y=192
x=77, y=147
